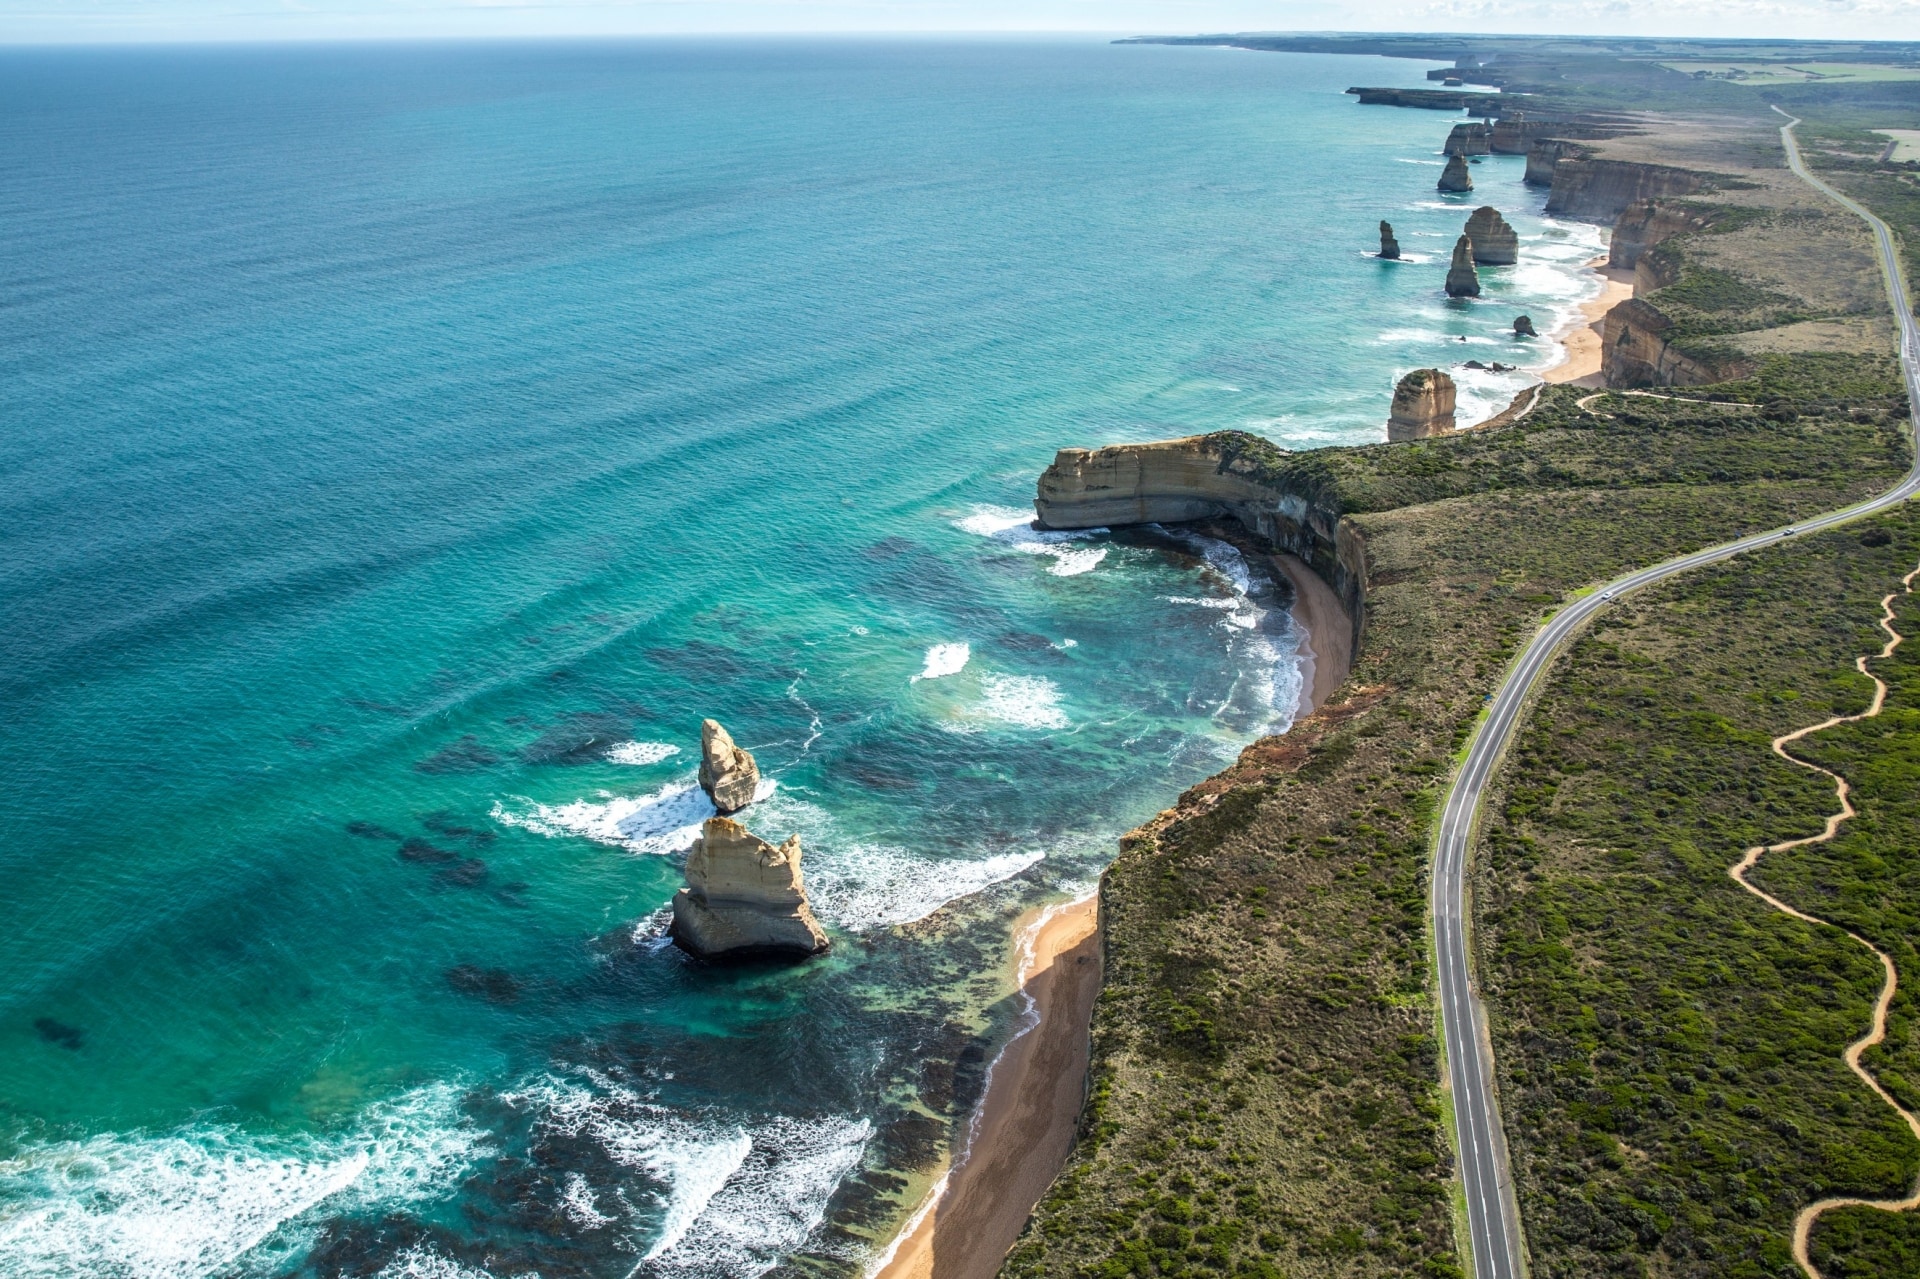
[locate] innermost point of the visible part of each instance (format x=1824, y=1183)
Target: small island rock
x=1389, y=247
x=1523, y=327
x=727, y=773
x=1455, y=176
x=1495, y=243
x=1422, y=406
x=1462, y=280
x=744, y=898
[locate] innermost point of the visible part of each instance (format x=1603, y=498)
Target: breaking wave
x=1015, y=529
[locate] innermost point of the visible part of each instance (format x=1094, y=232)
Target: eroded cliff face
x=1544, y=154
x=1584, y=187
x=1423, y=405
x=1469, y=139
x=1208, y=477
x=1644, y=224
x=1635, y=352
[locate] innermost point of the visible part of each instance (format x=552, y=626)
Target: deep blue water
x=403, y=447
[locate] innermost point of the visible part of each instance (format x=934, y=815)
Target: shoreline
x=1580, y=340
x=1025, y=1124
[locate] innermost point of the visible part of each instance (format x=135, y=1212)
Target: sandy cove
x=1025, y=1125
x=1582, y=339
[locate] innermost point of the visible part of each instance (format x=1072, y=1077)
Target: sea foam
x=642, y=753
x=943, y=660
x=1015, y=529
x=664, y=821
x=193, y=1201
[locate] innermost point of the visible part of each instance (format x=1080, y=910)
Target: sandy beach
x=1582, y=365
x=1328, y=652
x=1026, y=1122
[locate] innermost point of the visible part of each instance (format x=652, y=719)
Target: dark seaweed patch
x=58, y=1032
x=467, y=755
x=495, y=985
x=419, y=850
x=370, y=830
x=443, y=823
x=466, y=874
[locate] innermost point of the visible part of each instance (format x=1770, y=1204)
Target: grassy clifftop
x=1266, y=1094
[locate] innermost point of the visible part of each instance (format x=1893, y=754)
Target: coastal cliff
x=1643, y=224
x=1636, y=350
x=1586, y=187
x=1228, y=475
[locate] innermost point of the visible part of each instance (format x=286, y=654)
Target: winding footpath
x=1803, y=1223
x=1493, y=1218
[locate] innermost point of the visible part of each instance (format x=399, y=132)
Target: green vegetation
x=1669, y=1045
x=1266, y=1093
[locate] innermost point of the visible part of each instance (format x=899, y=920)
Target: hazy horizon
x=67, y=22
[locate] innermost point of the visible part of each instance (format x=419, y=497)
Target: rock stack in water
x=1455, y=176
x=1422, y=406
x=744, y=898
x=1495, y=243
x=1469, y=139
x=1389, y=247
x=1523, y=327
x=1462, y=280
x=727, y=773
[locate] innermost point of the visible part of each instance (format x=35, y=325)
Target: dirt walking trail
x=1803, y=1223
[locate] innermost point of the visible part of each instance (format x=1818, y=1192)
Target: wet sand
x=1329, y=647
x=1026, y=1123
x=1582, y=341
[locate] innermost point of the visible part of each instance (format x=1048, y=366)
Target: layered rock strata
x=1495, y=242
x=1469, y=139
x=1584, y=187
x=1480, y=104
x=1455, y=178
x=1226, y=476
x=744, y=898
x=1643, y=224
x=1462, y=280
x=1546, y=154
x=1389, y=247
x=728, y=774
x=1634, y=351
x=1422, y=406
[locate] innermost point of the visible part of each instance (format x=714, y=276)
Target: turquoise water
x=402, y=449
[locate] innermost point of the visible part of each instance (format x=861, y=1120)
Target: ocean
x=404, y=447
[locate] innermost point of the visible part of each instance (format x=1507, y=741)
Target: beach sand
x=1026, y=1123
x=1329, y=646
x=1582, y=365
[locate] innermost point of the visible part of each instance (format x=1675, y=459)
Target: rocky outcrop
x=1544, y=155
x=1422, y=406
x=1228, y=476
x=1523, y=327
x=1495, y=243
x=1462, y=280
x=1389, y=247
x=1469, y=139
x=1481, y=104
x=1455, y=178
x=1601, y=190
x=744, y=898
x=1643, y=224
x=1634, y=351
x=727, y=773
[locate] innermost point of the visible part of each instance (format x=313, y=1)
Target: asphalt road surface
x=1492, y=1216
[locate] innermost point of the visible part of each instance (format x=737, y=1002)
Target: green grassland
x=1669, y=1045
x=1265, y=1090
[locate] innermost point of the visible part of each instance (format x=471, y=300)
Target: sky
x=95, y=21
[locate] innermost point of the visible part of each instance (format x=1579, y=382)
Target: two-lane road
x=1492, y=1216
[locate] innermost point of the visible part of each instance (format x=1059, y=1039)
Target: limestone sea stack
x=1495, y=243
x=1422, y=406
x=1462, y=280
x=727, y=773
x=1523, y=327
x=1389, y=247
x=744, y=898
x=1455, y=176
x=1469, y=139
